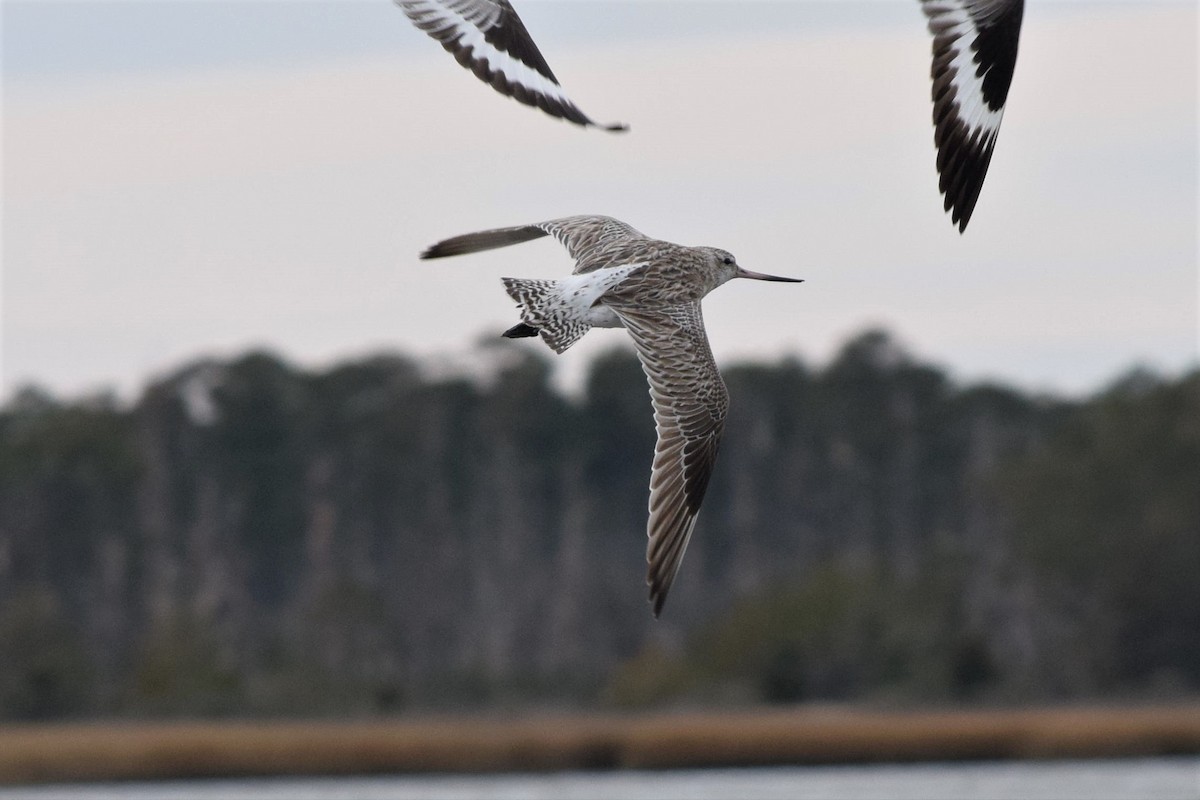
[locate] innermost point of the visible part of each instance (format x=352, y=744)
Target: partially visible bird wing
x=588, y=238
x=974, y=55
x=488, y=38
x=483, y=240
x=594, y=241
x=690, y=403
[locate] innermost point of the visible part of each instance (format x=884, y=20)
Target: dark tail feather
x=542, y=311
x=520, y=331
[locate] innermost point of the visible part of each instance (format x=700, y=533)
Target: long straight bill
x=759, y=276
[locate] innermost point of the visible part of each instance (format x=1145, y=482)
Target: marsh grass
x=147, y=751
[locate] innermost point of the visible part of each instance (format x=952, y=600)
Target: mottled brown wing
x=593, y=241
x=488, y=38
x=690, y=404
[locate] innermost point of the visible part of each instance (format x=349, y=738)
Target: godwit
x=488, y=38
x=974, y=53
x=652, y=288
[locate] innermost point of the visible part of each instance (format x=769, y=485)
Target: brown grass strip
x=125, y=751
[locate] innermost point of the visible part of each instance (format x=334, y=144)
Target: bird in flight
x=653, y=289
x=488, y=38
x=974, y=54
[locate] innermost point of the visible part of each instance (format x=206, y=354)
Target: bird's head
x=725, y=267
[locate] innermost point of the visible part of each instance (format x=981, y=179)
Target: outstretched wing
x=594, y=241
x=488, y=38
x=974, y=54
x=690, y=403
x=589, y=239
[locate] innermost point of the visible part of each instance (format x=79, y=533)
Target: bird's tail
x=542, y=307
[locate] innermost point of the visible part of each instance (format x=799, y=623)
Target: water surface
x=1124, y=779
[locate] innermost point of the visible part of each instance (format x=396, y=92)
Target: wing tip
x=960, y=213
x=658, y=596
x=962, y=166
x=455, y=246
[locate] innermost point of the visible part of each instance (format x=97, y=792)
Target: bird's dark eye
x=726, y=260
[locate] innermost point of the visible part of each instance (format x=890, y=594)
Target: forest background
x=252, y=538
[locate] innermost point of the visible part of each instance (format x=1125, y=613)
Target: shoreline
x=137, y=750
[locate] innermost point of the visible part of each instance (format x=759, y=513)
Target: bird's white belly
x=580, y=293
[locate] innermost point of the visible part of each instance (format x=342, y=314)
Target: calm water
x=1143, y=779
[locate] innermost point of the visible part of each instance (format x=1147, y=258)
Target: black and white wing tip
x=974, y=54
x=488, y=38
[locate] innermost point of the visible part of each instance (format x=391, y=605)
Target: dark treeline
x=251, y=538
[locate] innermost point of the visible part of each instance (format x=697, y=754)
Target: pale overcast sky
x=192, y=178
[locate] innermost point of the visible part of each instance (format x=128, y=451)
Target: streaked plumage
x=652, y=288
x=974, y=55
x=488, y=38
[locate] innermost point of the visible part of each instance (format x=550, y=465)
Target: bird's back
x=674, y=275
